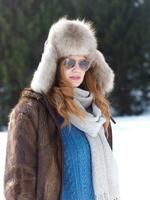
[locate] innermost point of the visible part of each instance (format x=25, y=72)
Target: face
x=75, y=75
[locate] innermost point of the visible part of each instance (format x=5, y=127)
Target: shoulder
x=27, y=107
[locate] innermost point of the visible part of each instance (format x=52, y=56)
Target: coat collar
x=28, y=92
x=43, y=99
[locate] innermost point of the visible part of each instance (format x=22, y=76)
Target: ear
x=44, y=76
x=104, y=75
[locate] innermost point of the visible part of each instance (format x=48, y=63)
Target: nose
x=76, y=66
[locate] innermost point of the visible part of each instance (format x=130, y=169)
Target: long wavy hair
x=61, y=94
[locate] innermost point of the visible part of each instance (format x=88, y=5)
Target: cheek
x=67, y=73
x=83, y=73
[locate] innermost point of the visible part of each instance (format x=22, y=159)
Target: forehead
x=78, y=57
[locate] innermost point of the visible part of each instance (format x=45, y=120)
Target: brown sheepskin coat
x=34, y=156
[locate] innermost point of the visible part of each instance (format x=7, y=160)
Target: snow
x=131, y=136
x=3, y=141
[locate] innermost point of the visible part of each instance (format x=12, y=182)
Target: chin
x=76, y=85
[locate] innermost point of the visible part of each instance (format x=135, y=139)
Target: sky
x=131, y=147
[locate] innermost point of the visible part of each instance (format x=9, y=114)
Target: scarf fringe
x=105, y=196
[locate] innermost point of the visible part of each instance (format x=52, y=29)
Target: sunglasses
x=70, y=63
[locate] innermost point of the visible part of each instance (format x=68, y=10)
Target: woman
x=59, y=133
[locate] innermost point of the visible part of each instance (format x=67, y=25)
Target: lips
x=75, y=77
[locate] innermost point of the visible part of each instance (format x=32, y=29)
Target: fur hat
x=71, y=37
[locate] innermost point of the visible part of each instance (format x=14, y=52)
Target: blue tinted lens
x=84, y=64
x=69, y=63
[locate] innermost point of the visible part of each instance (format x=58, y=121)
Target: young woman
x=59, y=133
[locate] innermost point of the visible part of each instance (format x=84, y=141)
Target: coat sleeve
x=21, y=153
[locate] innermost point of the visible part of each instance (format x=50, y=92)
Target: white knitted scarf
x=104, y=167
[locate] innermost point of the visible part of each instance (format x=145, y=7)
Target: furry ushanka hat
x=71, y=37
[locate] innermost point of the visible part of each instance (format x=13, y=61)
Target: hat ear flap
x=44, y=76
x=103, y=74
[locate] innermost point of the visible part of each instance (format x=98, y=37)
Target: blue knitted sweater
x=77, y=164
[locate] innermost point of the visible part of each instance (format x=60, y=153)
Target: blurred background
x=123, y=33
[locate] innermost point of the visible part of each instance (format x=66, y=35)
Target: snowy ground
x=131, y=136
x=131, y=145
x=3, y=140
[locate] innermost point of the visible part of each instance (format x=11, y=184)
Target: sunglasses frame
x=76, y=62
